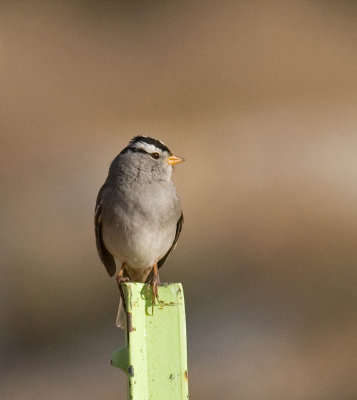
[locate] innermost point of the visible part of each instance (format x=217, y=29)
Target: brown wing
x=178, y=231
x=105, y=256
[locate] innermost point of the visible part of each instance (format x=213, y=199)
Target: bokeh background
x=260, y=97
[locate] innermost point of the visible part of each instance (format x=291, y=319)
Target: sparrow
x=138, y=217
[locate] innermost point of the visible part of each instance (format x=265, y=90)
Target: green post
x=155, y=358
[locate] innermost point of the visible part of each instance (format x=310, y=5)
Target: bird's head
x=151, y=156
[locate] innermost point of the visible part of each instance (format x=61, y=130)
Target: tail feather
x=121, y=316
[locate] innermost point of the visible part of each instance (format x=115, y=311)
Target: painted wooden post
x=155, y=358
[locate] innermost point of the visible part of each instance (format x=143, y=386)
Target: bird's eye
x=155, y=155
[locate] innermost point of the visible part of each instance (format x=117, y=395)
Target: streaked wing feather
x=105, y=256
x=178, y=231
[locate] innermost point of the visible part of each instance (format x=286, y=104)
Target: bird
x=138, y=215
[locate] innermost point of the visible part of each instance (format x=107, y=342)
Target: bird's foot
x=121, y=279
x=155, y=289
x=154, y=286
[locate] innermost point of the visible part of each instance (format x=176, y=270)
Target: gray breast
x=139, y=225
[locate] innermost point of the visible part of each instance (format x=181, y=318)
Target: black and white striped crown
x=145, y=144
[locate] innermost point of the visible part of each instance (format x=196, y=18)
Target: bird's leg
x=155, y=283
x=120, y=276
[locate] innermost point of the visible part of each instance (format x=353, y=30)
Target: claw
x=154, y=288
x=120, y=278
x=155, y=282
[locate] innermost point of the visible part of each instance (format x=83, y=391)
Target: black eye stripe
x=155, y=155
x=138, y=150
x=134, y=150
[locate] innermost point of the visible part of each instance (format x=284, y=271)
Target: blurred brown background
x=260, y=97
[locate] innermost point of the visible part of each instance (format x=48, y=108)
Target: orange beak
x=172, y=160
